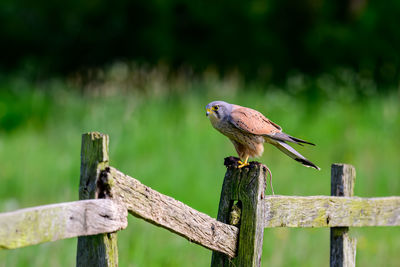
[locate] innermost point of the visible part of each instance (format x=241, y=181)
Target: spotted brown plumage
x=248, y=129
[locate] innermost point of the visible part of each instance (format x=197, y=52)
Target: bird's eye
x=216, y=107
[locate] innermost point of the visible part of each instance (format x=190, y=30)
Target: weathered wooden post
x=242, y=205
x=343, y=247
x=96, y=250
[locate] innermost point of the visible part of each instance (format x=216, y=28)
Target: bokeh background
x=143, y=71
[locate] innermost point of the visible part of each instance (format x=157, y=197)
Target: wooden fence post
x=242, y=205
x=343, y=247
x=95, y=250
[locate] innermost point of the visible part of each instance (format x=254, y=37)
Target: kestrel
x=248, y=129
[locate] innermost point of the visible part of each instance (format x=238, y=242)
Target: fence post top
x=341, y=165
x=95, y=135
x=233, y=162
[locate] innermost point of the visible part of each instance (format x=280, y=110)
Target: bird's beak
x=208, y=112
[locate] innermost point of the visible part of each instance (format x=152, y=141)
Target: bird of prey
x=248, y=129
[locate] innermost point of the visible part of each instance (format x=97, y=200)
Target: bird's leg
x=243, y=164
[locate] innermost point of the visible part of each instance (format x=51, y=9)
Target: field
x=161, y=136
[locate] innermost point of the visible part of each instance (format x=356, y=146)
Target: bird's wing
x=252, y=121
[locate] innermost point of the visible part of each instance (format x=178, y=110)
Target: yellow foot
x=242, y=164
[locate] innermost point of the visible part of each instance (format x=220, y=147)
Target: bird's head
x=218, y=110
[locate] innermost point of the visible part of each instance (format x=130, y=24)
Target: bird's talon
x=242, y=164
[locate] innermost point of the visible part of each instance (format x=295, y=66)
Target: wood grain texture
x=59, y=221
x=342, y=246
x=243, y=189
x=343, y=179
x=325, y=211
x=161, y=210
x=94, y=158
x=96, y=250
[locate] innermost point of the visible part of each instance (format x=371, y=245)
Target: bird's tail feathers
x=300, y=141
x=291, y=152
x=283, y=137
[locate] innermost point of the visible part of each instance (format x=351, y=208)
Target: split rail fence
x=235, y=237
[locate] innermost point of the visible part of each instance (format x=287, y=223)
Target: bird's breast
x=222, y=126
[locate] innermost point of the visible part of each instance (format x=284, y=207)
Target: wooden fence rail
x=161, y=210
x=324, y=211
x=235, y=237
x=36, y=225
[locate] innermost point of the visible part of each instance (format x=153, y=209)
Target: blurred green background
x=142, y=72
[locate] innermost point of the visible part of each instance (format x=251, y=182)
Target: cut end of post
x=94, y=135
x=342, y=179
x=95, y=147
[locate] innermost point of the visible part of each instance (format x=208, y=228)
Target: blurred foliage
x=268, y=40
x=32, y=101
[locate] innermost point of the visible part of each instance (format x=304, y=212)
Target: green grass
x=165, y=141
